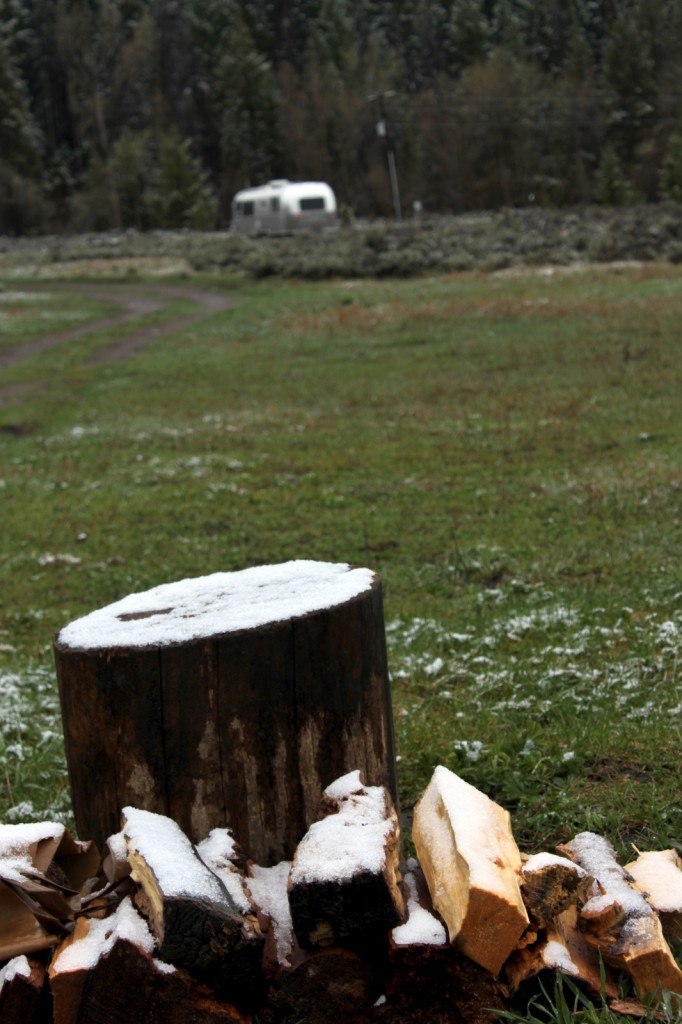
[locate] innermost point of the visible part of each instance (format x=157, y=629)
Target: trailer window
x=274, y=204
x=313, y=203
x=245, y=208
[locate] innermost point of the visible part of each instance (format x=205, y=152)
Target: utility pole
x=385, y=135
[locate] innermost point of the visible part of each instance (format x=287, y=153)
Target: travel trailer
x=282, y=207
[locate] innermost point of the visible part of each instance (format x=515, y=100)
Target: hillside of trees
x=152, y=113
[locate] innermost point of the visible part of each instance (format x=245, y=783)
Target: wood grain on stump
x=228, y=700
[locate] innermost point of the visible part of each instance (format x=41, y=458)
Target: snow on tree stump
x=228, y=700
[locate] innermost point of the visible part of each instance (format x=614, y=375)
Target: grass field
x=505, y=450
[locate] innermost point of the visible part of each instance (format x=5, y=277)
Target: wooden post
x=228, y=700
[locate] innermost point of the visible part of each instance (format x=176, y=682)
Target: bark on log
x=195, y=921
x=231, y=700
x=326, y=987
x=23, y=992
x=126, y=984
x=344, y=878
x=436, y=983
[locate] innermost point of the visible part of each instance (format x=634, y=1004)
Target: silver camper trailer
x=282, y=207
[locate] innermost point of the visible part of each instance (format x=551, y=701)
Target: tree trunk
x=238, y=719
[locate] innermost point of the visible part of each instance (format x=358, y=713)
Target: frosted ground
x=507, y=698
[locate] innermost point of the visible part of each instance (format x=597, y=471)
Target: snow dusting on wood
x=99, y=937
x=268, y=888
x=178, y=869
x=18, y=967
x=218, y=852
x=348, y=842
x=422, y=928
x=220, y=603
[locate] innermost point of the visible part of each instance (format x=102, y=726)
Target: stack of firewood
x=154, y=929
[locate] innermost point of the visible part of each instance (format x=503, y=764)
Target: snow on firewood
x=28, y=848
x=18, y=967
x=620, y=922
x=269, y=891
x=422, y=928
x=223, y=602
x=93, y=939
x=344, y=876
x=157, y=846
x=471, y=862
x=218, y=852
x=350, y=841
x=195, y=921
x=550, y=884
x=658, y=874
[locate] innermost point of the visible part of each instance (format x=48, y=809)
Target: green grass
x=505, y=451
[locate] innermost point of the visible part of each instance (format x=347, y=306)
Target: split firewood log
x=471, y=862
x=105, y=973
x=345, y=873
x=551, y=884
x=561, y=947
x=42, y=870
x=620, y=922
x=658, y=874
x=23, y=992
x=196, y=922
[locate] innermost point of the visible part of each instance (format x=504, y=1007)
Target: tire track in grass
x=133, y=303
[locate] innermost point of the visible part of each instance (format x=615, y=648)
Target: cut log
x=228, y=700
x=620, y=922
x=105, y=974
x=196, y=922
x=471, y=862
x=326, y=987
x=23, y=992
x=345, y=873
x=41, y=869
x=551, y=884
x=561, y=947
x=658, y=874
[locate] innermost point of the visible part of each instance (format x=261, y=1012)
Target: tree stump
x=228, y=700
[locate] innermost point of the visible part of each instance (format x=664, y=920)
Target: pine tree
x=613, y=188
x=468, y=35
x=671, y=171
x=180, y=195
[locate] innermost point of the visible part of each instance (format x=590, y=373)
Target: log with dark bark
x=24, y=998
x=345, y=874
x=125, y=984
x=228, y=700
x=196, y=922
x=325, y=987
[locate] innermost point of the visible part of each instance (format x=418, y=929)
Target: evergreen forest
x=152, y=113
